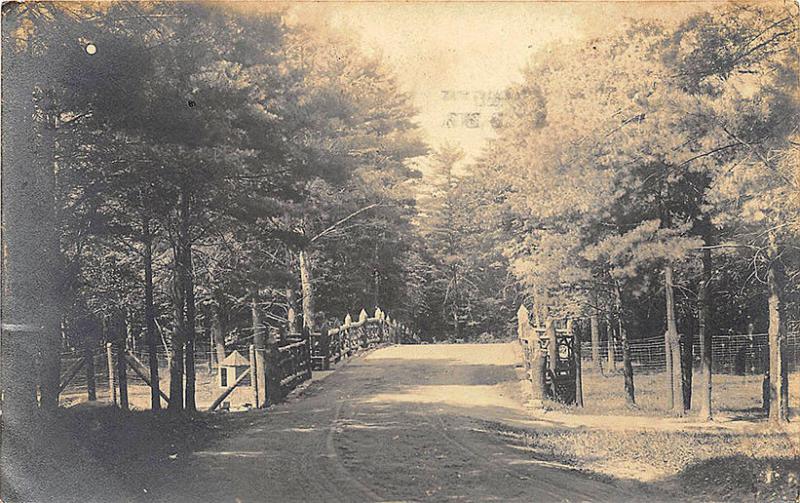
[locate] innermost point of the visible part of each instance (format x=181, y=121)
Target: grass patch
x=732, y=395
x=699, y=466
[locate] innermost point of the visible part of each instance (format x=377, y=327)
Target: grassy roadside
x=697, y=466
x=733, y=395
x=753, y=463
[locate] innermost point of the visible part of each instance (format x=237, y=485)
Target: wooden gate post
x=552, y=355
x=253, y=375
x=523, y=322
x=348, y=320
x=274, y=393
x=538, y=369
x=325, y=343
x=112, y=389
x=524, y=337
x=364, y=330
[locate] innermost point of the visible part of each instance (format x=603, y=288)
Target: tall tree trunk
x=117, y=338
x=778, y=372
x=687, y=365
x=178, y=334
x=208, y=337
x=191, y=326
x=673, y=343
x=25, y=221
x=627, y=365
x=594, y=324
x=49, y=351
x=150, y=316
x=307, y=285
x=456, y=327
x=704, y=300
x=291, y=312
x=260, y=343
x=51, y=267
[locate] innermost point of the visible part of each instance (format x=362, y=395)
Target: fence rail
x=294, y=363
x=105, y=373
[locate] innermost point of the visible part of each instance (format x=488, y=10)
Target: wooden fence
x=278, y=368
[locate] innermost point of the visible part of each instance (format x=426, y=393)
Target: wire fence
x=739, y=363
x=737, y=354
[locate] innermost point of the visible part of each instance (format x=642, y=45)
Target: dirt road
x=404, y=423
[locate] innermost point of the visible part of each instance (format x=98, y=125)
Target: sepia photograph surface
x=385, y=251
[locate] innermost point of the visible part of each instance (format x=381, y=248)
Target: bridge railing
x=331, y=345
x=293, y=362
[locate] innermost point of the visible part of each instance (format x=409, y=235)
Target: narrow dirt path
x=405, y=423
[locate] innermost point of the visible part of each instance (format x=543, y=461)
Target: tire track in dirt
x=333, y=455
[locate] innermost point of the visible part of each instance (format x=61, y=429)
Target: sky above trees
x=451, y=57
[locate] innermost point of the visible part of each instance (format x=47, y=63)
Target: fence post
x=348, y=320
x=254, y=375
x=307, y=336
x=378, y=325
x=273, y=371
x=122, y=374
x=523, y=322
x=578, y=370
x=538, y=368
x=325, y=347
x=112, y=389
x=362, y=319
x=552, y=354
x=524, y=338
x=259, y=340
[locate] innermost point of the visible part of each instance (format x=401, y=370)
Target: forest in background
x=197, y=166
